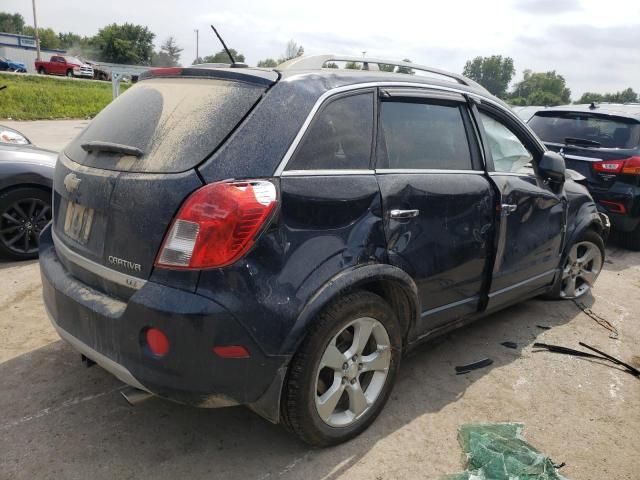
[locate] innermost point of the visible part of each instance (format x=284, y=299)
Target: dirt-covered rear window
x=175, y=122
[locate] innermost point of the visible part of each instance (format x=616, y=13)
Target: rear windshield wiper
x=97, y=146
x=581, y=141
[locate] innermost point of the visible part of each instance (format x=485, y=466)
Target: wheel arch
x=587, y=218
x=391, y=283
x=16, y=186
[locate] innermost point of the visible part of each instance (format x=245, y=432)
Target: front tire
x=69, y=73
x=24, y=212
x=581, y=267
x=343, y=373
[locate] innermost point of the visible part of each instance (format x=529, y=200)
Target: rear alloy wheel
x=352, y=372
x=343, y=373
x=24, y=212
x=581, y=269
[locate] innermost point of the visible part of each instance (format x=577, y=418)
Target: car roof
x=629, y=110
x=310, y=70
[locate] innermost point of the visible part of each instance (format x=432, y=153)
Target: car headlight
x=13, y=137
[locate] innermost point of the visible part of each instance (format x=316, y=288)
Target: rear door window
x=596, y=130
x=420, y=135
x=175, y=122
x=340, y=136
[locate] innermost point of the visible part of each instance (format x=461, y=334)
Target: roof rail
x=314, y=62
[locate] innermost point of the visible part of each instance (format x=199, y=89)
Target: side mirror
x=551, y=167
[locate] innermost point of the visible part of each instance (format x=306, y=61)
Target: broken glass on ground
x=498, y=452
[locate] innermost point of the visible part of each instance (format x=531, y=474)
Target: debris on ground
x=513, y=345
x=566, y=350
x=498, y=452
x=629, y=368
x=579, y=353
x=543, y=327
x=598, y=319
x=462, y=369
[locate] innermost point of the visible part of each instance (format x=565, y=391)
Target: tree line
x=536, y=88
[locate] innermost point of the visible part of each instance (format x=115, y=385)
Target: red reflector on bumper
x=157, y=342
x=231, y=351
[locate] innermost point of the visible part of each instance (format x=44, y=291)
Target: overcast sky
x=595, y=44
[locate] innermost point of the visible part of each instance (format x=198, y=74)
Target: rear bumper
x=620, y=194
x=110, y=332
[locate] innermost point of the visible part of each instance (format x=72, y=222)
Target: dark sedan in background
x=26, y=174
x=602, y=142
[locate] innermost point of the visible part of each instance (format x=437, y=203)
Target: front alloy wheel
x=581, y=269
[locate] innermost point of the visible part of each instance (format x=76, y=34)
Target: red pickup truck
x=64, y=65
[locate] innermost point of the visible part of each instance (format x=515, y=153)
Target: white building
x=22, y=48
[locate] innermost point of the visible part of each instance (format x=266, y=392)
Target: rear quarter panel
x=325, y=225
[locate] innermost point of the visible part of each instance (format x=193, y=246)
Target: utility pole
x=35, y=27
x=197, y=43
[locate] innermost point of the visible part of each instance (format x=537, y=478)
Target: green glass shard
x=498, y=452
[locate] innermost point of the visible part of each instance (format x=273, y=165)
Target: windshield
x=608, y=132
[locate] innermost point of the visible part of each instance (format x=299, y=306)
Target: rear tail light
x=612, y=166
x=217, y=224
x=615, y=207
x=629, y=166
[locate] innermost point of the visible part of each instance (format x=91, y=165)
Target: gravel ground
x=61, y=420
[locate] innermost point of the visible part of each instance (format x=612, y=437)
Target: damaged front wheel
x=581, y=267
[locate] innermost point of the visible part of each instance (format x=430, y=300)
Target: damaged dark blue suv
x=279, y=238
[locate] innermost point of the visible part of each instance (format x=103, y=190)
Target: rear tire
x=24, y=212
x=42, y=71
x=580, y=269
x=343, y=373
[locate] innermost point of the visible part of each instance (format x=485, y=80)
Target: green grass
x=37, y=97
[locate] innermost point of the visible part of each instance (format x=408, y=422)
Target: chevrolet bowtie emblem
x=71, y=182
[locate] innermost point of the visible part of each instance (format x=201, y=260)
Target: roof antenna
x=224, y=45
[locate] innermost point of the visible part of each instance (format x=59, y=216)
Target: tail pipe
x=135, y=396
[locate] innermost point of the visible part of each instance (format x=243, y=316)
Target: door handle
x=404, y=214
x=507, y=209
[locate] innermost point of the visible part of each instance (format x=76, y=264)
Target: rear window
x=175, y=122
x=556, y=127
